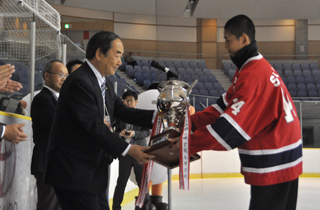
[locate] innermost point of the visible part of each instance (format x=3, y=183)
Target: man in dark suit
x=82, y=143
x=43, y=108
x=133, y=135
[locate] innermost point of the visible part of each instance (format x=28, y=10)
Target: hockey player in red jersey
x=257, y=116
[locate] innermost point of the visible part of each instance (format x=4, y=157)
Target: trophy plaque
x=171, y=105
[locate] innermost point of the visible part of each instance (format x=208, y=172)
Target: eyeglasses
x=129, y=101
x=60, y=75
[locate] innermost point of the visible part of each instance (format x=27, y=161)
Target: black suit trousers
x=281, y=196
x=47, y=199
x=125, y=165
x=75, y=200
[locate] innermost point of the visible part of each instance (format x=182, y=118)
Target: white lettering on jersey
x=236, y=106
x=274, y=79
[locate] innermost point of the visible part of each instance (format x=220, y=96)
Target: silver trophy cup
x=172, y=103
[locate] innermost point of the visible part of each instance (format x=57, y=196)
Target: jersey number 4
x=287, y=107
x=237, y=106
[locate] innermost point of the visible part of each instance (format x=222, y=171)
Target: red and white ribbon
x=147, y=167
x=184, y=161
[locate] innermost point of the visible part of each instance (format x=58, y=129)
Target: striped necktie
x=103, y=90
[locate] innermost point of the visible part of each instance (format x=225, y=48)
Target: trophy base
x=161, y=149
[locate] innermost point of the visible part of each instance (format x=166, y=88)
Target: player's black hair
x=130, y=93
x=239, y=25
x=102, y=40
x=70, y=64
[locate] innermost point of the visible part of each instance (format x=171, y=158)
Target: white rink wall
x=220, y=162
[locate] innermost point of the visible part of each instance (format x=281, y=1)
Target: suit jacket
x=1, y=130
x=80, y=142
x=141, y=134
x=43, y=108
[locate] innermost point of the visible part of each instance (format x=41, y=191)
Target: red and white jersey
x=258, y=117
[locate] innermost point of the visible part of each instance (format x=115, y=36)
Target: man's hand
x=6, y=84
x=14, y=133
x=136, y=151
x=126, y=134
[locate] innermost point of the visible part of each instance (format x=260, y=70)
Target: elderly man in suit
x=82, y=143
x=133, y=135
x=43, y=109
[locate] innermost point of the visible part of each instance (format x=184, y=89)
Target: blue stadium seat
x=311, y=87
x=284, y=79
x=301, y=87
x=204, y=92
x=195, y=77
x=314, y=66
x=202, y=65
x=154, y=76
x=146, y=75
x=169, y=63
x=145, y=68
x=145, y=62
x=177, y=65
x=295, y=66
x=212, y=101
x=297, y=73
x=305, y=66
x=278, y=66
x=221, y=91
x=226, y=67
x=288, y=73
x=190, y=71
x=198, y=71
x=187, y=78
x=214, y=92
x=181, y=71
x=193, y=65
x=208, y=85
x=287, y=66
x=195, y=91
x=200, y=85
x=313, y=93
x=162, y=77
x=302, y=93
x=293, y=93
x=217, y=86
x=137, y=68
x=131, y=73
x=292, y=86
x=204, y=78
x=291, y=79
x=309, y=80
x=154, y=70
x=146, y=84
x=306, y=73
x=300, y=80
x=316, y=73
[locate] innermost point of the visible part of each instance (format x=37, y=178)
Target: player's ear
x=245, y=39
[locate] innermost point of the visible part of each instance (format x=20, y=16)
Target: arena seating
x=301, y=79
x=189, y=71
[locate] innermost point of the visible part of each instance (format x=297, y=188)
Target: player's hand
x=14, y=133
x=136, y=151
